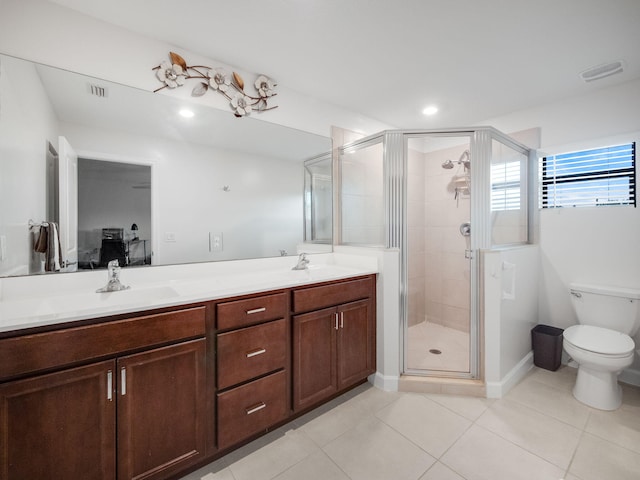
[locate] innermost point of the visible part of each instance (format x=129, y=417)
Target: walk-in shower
x=439, y=197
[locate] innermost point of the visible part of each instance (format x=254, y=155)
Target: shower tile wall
x=416, y=239
x=439, y=274
x=362, y=197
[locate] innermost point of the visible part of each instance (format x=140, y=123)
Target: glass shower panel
x=438, y=279
x=362, y=195
x=508, y=195
x=318, y=200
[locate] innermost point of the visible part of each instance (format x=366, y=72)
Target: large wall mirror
x=119, y=168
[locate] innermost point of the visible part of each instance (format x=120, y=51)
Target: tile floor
x=537, y=431
x=453, y=345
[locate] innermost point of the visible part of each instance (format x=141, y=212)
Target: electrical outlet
x=215, y=242
x=169, y=236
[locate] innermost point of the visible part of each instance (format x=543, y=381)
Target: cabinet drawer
x=251, y=408
x=250, y=352
x=315, y=298
x=41, y=351
x=241, y=313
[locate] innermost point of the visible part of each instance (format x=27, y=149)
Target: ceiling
x=476, y=60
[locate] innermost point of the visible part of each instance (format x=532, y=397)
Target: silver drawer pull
x=123, y=381
x=256, y=310
x=110, y=385
x=259, y=351
x=257, y=408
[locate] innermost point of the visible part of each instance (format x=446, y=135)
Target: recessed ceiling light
x=186, y=113
x=430, y=110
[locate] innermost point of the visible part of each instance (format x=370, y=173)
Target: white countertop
x=28, y=302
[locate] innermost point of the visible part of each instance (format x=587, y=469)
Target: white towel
x=48, y=243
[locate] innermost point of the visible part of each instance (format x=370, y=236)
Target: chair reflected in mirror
x=113, y=247
x=112, y=250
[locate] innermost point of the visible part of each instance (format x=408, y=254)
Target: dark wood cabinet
x=149, y=396
x=139, y=416
x=314, y=357
x=60, y=426
x=356, y=343
x=333, y=348
x=252, y=366
x=161, y=410
x=252, y=408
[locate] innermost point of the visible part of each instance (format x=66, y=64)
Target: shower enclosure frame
x=395, y=163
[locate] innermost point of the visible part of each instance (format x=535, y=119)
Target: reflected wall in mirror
x=221, y=188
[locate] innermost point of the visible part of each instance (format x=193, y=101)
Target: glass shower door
x=438, y=277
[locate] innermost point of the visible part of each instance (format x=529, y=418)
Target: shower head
x=448, y=165
x=465, y=160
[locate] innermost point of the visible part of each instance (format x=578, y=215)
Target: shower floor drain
x=435, y=351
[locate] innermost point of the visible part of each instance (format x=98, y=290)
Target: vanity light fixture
x=430, y=110
x=175, y=73
x=186, y=113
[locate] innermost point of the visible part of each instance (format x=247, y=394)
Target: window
x=589, y=178
x=505, y=186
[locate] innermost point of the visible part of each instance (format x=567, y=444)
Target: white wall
x=188, y=199
x=23, y=147
x=510, y=281
x=594, y=245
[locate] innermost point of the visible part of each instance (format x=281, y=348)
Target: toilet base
x=598, y=389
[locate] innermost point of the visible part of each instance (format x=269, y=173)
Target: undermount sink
x=313, y=273
x=87, y=301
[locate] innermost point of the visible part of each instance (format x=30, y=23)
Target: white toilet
x=601, y=344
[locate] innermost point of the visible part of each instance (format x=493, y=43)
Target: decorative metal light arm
x=175, y=73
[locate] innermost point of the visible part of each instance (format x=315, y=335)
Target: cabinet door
x=59, y=426
x=314, y=357
x=161, y=410
x=356, y=340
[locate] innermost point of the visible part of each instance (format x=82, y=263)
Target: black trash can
x=546, y=342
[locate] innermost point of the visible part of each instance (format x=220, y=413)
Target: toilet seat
x=599, y=340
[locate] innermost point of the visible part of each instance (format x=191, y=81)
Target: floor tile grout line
x=525, y=448
x=575, y=452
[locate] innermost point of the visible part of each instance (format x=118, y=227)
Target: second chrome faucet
x=303, y=261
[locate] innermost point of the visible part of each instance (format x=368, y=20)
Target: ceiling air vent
x=602, y=71
x=97, y=90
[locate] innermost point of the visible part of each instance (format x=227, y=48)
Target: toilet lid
x=599, y=340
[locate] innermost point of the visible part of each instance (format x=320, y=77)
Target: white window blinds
x=505, y=186
x=601, y=176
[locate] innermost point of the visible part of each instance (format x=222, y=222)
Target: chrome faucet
x=113, y=272
x=303, y=261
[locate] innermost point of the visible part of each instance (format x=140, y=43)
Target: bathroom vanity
x=153, y=393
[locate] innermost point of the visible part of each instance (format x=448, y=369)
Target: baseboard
x=630, y=376
x=517, y=373
x=388, y=383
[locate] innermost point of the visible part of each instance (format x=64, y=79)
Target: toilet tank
x=617, y=308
